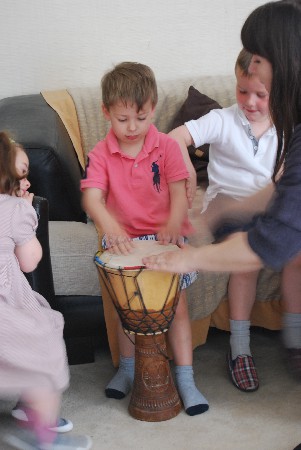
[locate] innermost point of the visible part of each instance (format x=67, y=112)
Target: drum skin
x=146, y=300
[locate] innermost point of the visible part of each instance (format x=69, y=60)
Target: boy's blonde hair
x=243, y=61
x=131, y=83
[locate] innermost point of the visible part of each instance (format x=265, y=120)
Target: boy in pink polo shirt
x=134, y=188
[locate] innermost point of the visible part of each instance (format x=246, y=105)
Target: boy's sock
x=240, y=338
x=194, y=402
x=122, y=382
x=292, y=330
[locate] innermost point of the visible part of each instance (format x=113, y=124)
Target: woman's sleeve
x=276, y=235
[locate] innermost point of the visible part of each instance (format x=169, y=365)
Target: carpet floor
x=268, y=419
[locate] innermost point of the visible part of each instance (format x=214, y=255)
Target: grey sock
x=122, y=382
x=194, y=401
x=240, y=338
x=291, y=332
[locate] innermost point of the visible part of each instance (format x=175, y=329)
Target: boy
x=242, y=156
x=134, y=187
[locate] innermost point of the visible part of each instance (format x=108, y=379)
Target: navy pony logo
x=156, y=177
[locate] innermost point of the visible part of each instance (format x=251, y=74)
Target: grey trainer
x=23, y=439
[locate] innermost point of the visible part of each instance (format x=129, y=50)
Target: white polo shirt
x=238, y=164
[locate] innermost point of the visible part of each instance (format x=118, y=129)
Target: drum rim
x=101, y=263
x=109, y=265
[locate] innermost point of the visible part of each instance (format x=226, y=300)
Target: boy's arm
x=171, y=232
x=184, y=139
x=94, y=204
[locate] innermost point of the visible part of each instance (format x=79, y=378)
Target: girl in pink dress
x=33, y=361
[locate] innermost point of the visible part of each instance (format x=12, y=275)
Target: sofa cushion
x=72, y=249
x=196, y=105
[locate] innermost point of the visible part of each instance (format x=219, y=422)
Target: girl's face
x=263, y=69
x=22, y=165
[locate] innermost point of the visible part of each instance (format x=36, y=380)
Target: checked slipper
x=242, y=372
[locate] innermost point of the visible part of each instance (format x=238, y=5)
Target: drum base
x=154, y=396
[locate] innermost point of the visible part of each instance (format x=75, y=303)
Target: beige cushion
x=72, y=249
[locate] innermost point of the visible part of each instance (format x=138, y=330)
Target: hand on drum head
x=119, y=244
x=179, y=261
x=168, y=235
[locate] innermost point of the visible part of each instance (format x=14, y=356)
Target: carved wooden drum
x=146, y=302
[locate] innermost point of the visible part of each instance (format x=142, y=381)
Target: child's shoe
x=63, y=425
x=23, y=439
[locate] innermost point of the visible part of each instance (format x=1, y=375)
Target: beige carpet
x=269, y=419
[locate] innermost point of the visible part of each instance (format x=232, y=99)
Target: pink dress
x=32, y=349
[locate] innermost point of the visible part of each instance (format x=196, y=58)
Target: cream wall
x=52, y=44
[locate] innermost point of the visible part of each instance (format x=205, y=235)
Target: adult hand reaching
x=179, y=261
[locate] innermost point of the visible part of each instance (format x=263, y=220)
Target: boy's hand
x=120, y=244
x=170, y=235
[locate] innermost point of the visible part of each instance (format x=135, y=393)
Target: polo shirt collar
x=246, y=123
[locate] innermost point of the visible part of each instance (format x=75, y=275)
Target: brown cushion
x=196, y=105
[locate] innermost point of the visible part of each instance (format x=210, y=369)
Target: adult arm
x=274, y=239
x=241, y=211
x=256, y=203
x=233, y=255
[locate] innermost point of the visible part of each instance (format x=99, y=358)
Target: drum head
x=145, y=299
x=133, y=260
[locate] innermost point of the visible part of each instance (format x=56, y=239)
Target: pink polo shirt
x=136, y=189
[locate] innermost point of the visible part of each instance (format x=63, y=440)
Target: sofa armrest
x=55, y=172
x=41, y=279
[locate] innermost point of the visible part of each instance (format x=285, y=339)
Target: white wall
x=55, y=44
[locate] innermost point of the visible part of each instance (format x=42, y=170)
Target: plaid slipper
x=243, y=372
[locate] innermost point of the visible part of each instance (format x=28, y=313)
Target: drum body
x=146, y=302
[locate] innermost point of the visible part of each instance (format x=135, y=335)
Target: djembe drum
x=146, y=302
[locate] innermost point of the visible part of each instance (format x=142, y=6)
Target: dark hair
x=243, y=62
x=273, y=31
x=129, y=82
x=9, y=178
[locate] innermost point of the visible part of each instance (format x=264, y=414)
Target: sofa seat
x=72, y=249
